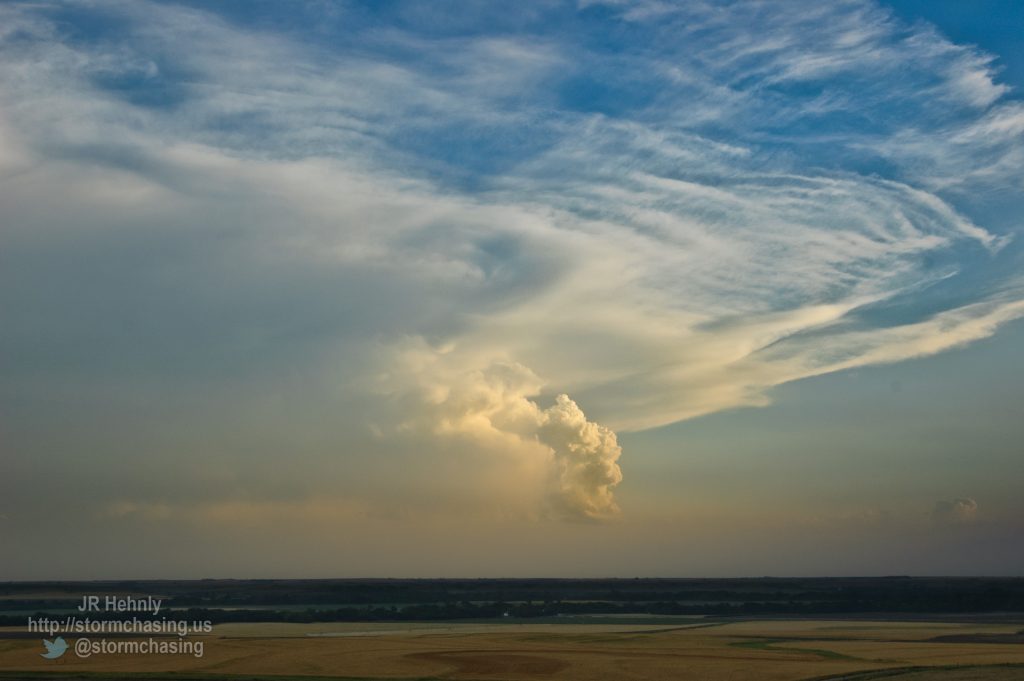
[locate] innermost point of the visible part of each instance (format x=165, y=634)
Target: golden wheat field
x=769, y=650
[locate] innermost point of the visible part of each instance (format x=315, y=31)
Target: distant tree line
x=386, y=600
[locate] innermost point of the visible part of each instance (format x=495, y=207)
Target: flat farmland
x=774, y=649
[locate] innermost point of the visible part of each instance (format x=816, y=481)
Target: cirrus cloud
x=632, y=235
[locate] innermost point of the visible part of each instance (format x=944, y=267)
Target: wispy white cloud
x=641, y=235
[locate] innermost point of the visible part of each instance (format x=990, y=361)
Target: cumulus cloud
x=586, y=456
x=955, y=512
x=496, y=411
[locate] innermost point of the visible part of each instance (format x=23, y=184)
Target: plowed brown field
x=771, y=650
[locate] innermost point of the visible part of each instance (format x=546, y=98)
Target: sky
x=596, y=288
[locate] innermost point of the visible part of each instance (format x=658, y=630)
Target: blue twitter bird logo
x=55, y=648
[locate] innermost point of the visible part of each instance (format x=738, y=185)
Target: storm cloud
x=448, y=265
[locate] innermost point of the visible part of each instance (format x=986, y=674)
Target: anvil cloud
x=447, y=254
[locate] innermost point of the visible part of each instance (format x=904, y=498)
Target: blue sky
x=568, y=273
